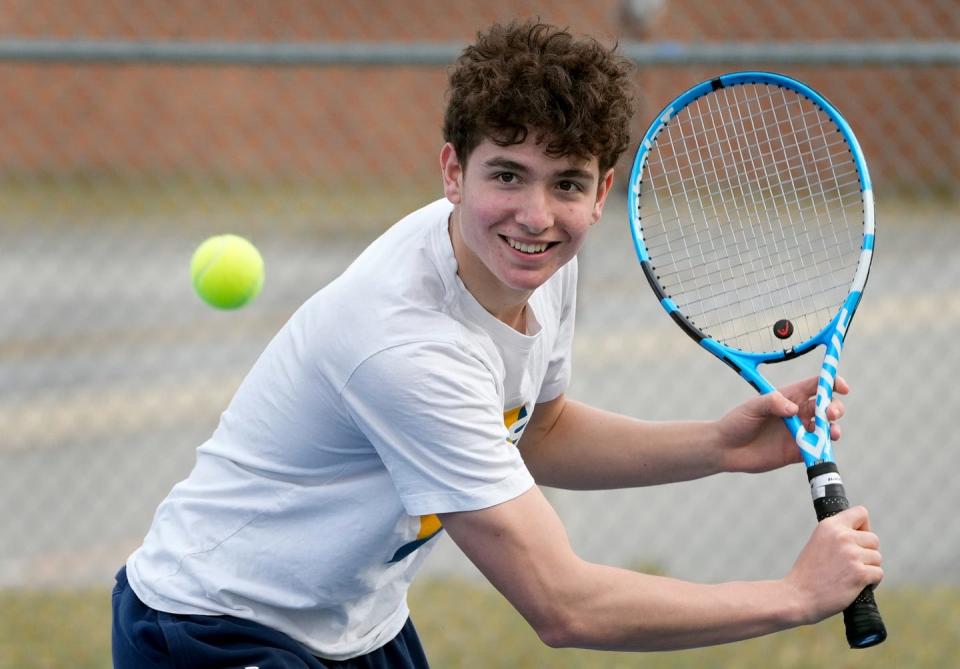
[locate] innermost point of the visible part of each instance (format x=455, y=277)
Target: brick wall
x=332, y=122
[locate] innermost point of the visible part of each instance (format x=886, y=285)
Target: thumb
x=856, y=517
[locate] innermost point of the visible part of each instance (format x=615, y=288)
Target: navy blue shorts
x=144, y=638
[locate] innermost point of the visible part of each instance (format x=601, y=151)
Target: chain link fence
x=113, y=169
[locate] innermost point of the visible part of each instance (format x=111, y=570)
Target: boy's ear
x=603, y=189
x=452, y=171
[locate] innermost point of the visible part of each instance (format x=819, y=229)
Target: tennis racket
x=752, y=215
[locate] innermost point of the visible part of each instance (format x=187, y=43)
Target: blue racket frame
x=816, y=446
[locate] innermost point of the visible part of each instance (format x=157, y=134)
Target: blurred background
x=131, y=131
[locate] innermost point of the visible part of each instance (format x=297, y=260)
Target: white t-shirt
x=390, y=396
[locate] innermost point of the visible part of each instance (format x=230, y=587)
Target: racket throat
x=815, y=445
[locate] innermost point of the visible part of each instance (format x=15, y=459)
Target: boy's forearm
x=520, y=546
x=584, y=448
x=630, y=611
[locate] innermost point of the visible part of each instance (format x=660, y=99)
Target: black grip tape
x=862, y=619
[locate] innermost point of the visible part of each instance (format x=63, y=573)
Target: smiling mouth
x=529, y=249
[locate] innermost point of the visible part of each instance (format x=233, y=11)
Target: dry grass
x=469, y=625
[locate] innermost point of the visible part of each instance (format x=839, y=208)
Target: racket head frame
x=815, y=447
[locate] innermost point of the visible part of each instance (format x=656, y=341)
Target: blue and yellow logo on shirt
x=515, y=421
x=430, y=527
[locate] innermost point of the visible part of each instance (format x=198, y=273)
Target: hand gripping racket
x=752, y=214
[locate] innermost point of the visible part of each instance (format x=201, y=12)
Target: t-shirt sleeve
x=557, y=378
x=433, y=413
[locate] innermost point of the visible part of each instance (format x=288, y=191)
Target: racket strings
x=769, y=294
x=708, y=246
x=781, y=252
x=704, y=144
x=770, y=187
x=711, y=172
x=686, y=277
x=756, y=277
x=775, y=300
x=660, y=234
x=832, y=172
x=745, y=214
x=712, y=176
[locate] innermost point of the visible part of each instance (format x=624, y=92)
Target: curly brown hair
x=575, y=94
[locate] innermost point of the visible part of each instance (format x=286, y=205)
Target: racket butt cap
x=863, y=623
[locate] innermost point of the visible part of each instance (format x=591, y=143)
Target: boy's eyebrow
x=514, y=166
x=505, y=163
x=576, y=173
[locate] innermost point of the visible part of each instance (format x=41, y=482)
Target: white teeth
x=527, y=248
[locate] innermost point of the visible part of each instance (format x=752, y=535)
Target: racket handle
x=862, y=619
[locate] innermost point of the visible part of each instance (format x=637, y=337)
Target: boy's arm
x=522, y=548
x=572, y=445
x=578, y=447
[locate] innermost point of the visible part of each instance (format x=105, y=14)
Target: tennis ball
x=227, y=271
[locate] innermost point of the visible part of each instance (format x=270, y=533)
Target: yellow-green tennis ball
x=227, y=271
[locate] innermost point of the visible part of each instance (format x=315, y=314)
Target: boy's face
x=520, y=215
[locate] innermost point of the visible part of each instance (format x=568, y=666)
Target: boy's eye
x=569, y=186
x=506, y=177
